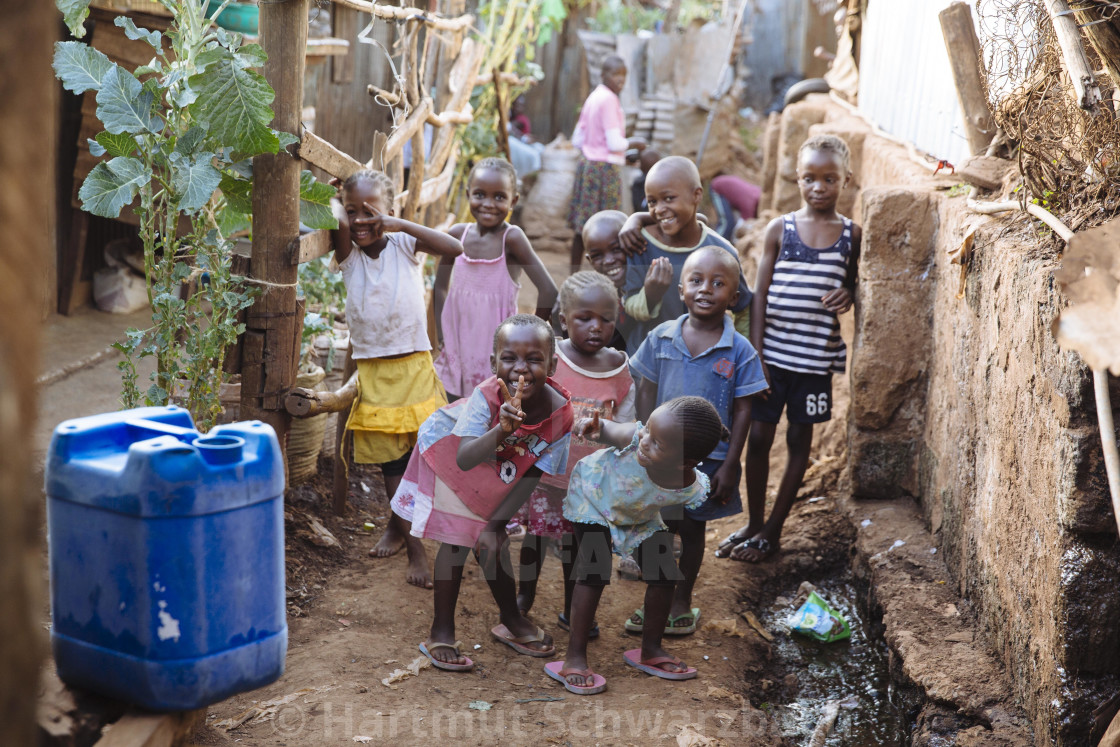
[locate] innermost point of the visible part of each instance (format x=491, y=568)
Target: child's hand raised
x=837, y=301
x=510, y=416
x=381, y=223
x=658, y=278
x=630, y=237
x=588, y=428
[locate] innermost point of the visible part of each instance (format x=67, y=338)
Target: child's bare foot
x=390, y=543
x=418, y=573
x=755, y=550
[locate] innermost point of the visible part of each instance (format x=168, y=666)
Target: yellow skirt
x=396, y=396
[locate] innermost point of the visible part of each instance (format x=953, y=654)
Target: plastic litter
x=817, y=619
x=480, y=705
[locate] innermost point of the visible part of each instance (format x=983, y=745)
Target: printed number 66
x=816, y=404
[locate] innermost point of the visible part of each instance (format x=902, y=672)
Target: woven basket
x=305, y=439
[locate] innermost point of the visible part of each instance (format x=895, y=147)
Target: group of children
x=627, y=430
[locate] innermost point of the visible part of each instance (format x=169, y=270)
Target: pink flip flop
x=501, y=633
x=555, y=670
x=652, y=666
x=426, y=648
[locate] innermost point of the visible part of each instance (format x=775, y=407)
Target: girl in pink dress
x=598, y=378
x=477, y=290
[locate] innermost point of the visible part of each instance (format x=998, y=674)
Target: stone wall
x=962, y=398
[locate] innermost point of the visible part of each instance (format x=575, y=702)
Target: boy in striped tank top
x=806, y=277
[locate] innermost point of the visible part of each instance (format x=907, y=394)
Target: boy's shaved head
x=675, y=167
x=725, y=258
x=612, y=63
x=605, y=224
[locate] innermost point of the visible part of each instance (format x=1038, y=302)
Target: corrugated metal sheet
x=906, y=84
x=777, y=29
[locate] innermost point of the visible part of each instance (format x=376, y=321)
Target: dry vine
x=1069, y=157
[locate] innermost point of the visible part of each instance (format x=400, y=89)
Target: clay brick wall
x=968, y=404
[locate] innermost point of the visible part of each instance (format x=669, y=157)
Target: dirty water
x=853, y=674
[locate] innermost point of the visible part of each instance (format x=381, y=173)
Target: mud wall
x=962, y=398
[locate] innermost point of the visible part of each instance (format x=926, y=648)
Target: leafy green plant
x=509, y=32
x=180, y=134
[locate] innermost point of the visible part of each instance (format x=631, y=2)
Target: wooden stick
x=964, y=55
x=434, y=188
x=390, y=13
x=407, y=129
x=415, y=175
x=306, y=403
x=137, y=729
x=341, y=487
x=312, y=246
x=317, y=151
x=503, y=125
x=1085, y=86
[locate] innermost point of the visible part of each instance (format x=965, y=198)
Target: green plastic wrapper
x=816, y=619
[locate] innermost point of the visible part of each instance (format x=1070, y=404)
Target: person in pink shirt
x=601, y=137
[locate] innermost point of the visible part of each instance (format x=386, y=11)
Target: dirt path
x=353, y=621
x=360, y=621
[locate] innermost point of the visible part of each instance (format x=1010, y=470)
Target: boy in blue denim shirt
x=701, y=354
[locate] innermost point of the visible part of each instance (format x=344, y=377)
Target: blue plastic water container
x=166, y=557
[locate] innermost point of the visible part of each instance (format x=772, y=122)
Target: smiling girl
x=476, y=462
x=377, y=254
x=476, y=290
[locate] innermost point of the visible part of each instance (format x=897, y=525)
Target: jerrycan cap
x=220, y=449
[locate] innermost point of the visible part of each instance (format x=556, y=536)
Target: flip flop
x=633, y=626
x=565, y=624
x=760, y=544
x=426, y=648
x=652, y=666
x=729, y=543
x=555, y=670
x=502, y=634
x=671, y=626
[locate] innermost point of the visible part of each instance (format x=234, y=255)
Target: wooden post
x=503, y=116
x=28, y=109
x=1103, y=30
x=964, y=58
x=340, y=489
x=271, y=351
x=1086, y=90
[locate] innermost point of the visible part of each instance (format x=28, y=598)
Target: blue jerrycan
x=166, y=557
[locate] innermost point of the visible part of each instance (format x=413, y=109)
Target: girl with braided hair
x=377, y=254
x=599, y=379
x=614, y=501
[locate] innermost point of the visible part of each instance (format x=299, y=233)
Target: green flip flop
x=683, y=624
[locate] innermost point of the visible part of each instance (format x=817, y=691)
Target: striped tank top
x=800, y=334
